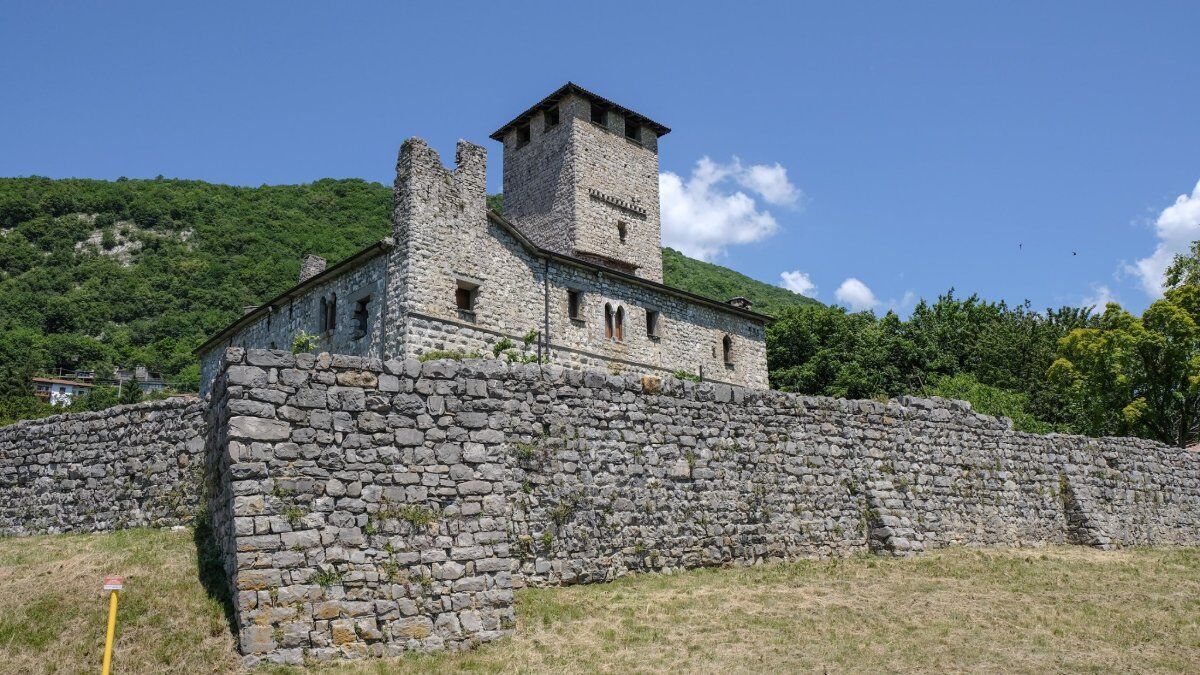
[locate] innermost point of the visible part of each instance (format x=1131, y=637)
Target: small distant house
x=148, y=381
x=57, y=391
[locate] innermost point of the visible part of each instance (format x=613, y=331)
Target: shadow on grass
x=211, y=571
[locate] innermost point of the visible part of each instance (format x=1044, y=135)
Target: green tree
x=130, y=392
x=1135, y=375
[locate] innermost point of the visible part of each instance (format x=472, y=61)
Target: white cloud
x=1177, y=227
x=798, y=282
x=1101, y=295
x=702, y=215
x=769, y=181
x=856, y=295
x=903, y=304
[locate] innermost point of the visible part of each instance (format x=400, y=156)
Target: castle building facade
x=570, y=274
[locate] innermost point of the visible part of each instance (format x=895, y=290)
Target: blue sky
x=1025, y=150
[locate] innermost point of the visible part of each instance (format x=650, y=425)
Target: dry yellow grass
x=989, y=610
x=53, y=611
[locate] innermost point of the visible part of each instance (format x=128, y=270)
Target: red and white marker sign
x=114, y=583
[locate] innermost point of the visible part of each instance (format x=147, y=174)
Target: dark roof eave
x=678, y=292
x=571, y=87
x=330, y=272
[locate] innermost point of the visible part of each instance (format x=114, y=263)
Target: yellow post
x=112, y=585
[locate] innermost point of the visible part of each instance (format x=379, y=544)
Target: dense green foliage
x=991, y=354
x=1139, y=376
x=96, y=274
x=722, y=283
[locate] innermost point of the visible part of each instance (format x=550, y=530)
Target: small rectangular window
x=361, y=316
x=622, y=231
x=465, y=295
x=652, y=323
x=633, y=130
x=551, y=117
x=599, y=114
x=522, y=135
x=575, y=304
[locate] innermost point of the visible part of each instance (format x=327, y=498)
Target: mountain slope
x=722, y=283
x=100, y=273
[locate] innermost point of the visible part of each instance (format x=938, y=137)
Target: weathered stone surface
x=129, y=466
x=414, y=517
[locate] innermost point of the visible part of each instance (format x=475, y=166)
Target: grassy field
x=1031, y=610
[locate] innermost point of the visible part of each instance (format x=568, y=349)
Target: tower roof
x=572, y=88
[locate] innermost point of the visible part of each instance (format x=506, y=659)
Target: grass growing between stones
x=1031, y=610
x=53, y=612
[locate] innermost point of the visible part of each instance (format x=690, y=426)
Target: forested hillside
x=722, y=283
x=96, y=274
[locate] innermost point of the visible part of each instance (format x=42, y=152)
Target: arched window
x=620, y=324
x=608, y=321
x=622, y=231
x=727, y=349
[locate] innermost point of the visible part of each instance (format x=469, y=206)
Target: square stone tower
x=581, y=179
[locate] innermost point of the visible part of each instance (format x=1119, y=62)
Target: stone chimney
x=311, y=267
x=740, y=302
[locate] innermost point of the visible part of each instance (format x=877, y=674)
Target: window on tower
x=522, y=135
x=599, y=114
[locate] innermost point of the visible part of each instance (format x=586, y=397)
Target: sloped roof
x=572, y=88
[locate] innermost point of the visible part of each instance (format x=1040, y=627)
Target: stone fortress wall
x=373, y=507
x=128, y=466
x=368, y=507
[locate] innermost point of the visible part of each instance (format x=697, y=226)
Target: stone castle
x=571, y=273
x=363, y=501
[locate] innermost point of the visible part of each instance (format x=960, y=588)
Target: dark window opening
x=622, y=231
x=328, y=318
x=619, y=325
x=522, y=135
x=727, y=349
x=608, y=321
x=599, y=114
x=361, y=316
x=651, y=323
x=633, y=130
x=551, y=117
x=465, y=295
x=575, y=304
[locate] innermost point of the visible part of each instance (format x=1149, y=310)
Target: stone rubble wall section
x=375, y=507
x=364, y=512
x=128, y=466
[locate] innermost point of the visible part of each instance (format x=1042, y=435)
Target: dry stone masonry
x=128, y=466
x=370, y=507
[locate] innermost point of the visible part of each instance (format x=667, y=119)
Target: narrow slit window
x=608, y=321
x=622, y=231
x=575, y=304
x=328, y=316
x=727, y=349
x=599, y=114
x=619, y=325
x=551, y=117
x=651, y=323
x=465, y=296
x=522, y=135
